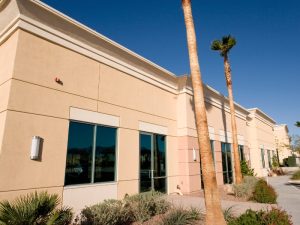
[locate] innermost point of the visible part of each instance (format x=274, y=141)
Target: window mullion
x=94, y=154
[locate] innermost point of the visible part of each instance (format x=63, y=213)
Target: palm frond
x=61, y=217
x=216, y=45
x=224, y=45
x=34, y=208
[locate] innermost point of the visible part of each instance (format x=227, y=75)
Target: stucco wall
x=260, y=136
x=219, y=122
x=39, y=106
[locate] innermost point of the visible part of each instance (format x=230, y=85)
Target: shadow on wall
x=208, y=107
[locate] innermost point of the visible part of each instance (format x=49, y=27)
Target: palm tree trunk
x=214, y=214
x=237, y=165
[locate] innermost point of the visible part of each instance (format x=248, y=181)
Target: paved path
x=237, y=207
x=288, y=196
x=288, y=199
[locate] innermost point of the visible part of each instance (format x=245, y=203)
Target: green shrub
x=110, y=212
x=34, y=209
x=147, y=205
x=246, y=188
x=275, y=161
x=246, y=170
x=180, y=216
x=139, y=207
x=290, y=161
x=296, y=175
x=273, y=216
x=264, y=193
x=228, y=214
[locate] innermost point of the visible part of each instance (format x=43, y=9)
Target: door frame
x=152, y=160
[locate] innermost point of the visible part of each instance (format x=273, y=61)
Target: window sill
x=74, y=186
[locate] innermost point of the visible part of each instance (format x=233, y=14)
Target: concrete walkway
x=288, y=196
x=198, y=202
x=288, y=199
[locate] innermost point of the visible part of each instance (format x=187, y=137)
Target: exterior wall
x=282, y=140
x=100, y=80
x=7, y=59
x=260, y=136
x=218, y=115
x=39, y=106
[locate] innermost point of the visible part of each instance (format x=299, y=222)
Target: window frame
x=92, y=182
x=262, y=153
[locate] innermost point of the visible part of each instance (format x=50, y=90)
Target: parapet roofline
x=42, y=20
x=97, y=34
x=259, y=111
x=279, y=126
x=211, y=89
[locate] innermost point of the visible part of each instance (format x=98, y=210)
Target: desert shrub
x=246, y=188
x=148, y=204
x=278, y=171
x=273, y=216
x=109, y=212
x=34, y=209
x=264, y=193
x=180, y=216
x=275, y=161
x=296, y=175
x=228, y=214
x=246, y=170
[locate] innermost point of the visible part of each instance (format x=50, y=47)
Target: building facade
x=109, y=121
x=283, y=142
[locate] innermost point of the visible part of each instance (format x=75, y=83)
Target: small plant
x=147, y=205
x=34, y=209
x=273, y=216
x=228, y=214
x=246, y=188
x=180, y=216
x=246, y=170
x=296, y=175
x=264, y=193
x=275, y=162
x=110, y=212
x=139, y=207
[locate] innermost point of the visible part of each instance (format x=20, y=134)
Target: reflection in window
x=226, y=163
x=91, y=154
x=105, y=154
x=241, y=153
x=262, y=152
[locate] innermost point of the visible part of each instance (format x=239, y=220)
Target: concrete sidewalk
x=288, y=196
x=288, y=199
x=198, y=202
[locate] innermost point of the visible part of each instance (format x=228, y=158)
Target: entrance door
x=152, y=162
x=227, y=163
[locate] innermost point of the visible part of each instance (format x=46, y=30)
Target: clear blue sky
x=265, y=63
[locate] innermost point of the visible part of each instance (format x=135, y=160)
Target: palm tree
x=214, y=214
x=224, y=47
x=297, y=124
x=34, y=209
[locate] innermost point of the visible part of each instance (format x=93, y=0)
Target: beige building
x=283, y=141
x=261, y=141
x=88, y=119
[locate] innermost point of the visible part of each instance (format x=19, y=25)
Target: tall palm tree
x=214, y=214
x=297, y=124
x=224, y=46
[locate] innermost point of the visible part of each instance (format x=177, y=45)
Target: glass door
x=227, y=163
x=152, y=162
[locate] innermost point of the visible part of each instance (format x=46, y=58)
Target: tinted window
x=79, y=156
x=91, y=154
x=105, y=156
